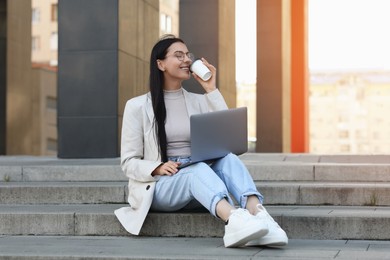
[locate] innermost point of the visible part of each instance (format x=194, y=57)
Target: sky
x=349, y=34
x=342, y=35
x=246, y=40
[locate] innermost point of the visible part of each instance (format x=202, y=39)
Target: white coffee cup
x=201, y=70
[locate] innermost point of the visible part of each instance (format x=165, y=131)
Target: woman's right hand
x=211, y=84
x=169, y=168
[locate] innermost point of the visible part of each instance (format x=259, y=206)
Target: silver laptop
x=216, y=134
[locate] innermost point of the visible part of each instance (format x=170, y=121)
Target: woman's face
x=176, y=65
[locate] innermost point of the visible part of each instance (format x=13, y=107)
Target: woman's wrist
x=208, y=90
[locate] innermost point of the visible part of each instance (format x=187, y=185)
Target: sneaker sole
x=269, y=241
x=244, y=236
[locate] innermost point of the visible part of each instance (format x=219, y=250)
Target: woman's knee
x=203, y=173
x=232, y=157
x=229, y=161
x=201, y=170
x=229, y=158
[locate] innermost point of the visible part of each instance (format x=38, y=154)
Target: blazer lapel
x=149, y=108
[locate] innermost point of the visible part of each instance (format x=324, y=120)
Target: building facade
x=347, y=112
x=67, y=99
x=64, y=83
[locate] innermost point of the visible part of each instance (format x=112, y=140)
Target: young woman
x=156, y=140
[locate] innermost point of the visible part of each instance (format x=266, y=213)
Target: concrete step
x=282, y=192
x=115, y=248
x=302, y=171
x=325, y=193
x=53, y=169
x=50, y=196
x=263, y=167
x=316, y=158
x=306, y=222
x=262, y=171
x=63, y=192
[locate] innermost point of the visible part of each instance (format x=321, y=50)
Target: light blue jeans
x=207, y=184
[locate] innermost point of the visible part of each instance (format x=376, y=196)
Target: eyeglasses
x=181, y=55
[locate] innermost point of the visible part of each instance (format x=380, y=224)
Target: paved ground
x=49, y=247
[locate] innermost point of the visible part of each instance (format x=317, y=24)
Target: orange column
x=299, y=78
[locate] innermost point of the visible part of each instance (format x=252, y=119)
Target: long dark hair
x=156, y=86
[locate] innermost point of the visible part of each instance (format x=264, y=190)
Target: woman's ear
x=160, y=65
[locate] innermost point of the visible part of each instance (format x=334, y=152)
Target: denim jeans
x=207, y=184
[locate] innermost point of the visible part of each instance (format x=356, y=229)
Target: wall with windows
x=169, y=17
x=347, y=112
x=44, y=31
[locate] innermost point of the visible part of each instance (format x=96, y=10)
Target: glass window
x=54, y=41
x=35, y=42
x=36, y=15
x=54, y=12
x=165, y=23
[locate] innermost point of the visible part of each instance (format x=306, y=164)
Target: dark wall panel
x=200, y=32
x=88, y=24
x=88, y=137
x=88, y=85
x=88, y=79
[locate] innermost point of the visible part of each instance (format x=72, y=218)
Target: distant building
x=349, y=112
x=246, y=97
x=44, y=32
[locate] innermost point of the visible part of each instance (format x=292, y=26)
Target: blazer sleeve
x=132, y=144
x=215, y=101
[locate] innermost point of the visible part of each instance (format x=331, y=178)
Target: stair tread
x=49, y=184
x=273, y=209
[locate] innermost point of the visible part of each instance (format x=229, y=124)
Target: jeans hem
x=217, y=198
x=245, y=195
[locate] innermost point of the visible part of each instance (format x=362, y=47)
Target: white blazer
x=140, y=152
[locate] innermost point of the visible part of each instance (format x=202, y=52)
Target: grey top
x=177, y=124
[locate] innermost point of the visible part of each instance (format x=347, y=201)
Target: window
x=165, y=23
x=36, y=15
x=54, y=41
x=54, y=12
x=343, y=134
x=36, y=43
x=344, y=148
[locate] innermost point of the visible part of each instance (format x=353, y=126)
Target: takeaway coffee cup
x=201, y=70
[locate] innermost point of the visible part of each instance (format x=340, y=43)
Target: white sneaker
x=243, y=227
x=276, y=235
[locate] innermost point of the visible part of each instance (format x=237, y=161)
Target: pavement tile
x=105, y=247
x=287, y=253
x=363, y=255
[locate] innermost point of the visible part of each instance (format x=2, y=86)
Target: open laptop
x=216, y=134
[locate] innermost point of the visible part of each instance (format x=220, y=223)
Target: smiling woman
x=156, y=141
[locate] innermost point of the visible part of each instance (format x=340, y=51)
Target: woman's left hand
x=209, y=85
